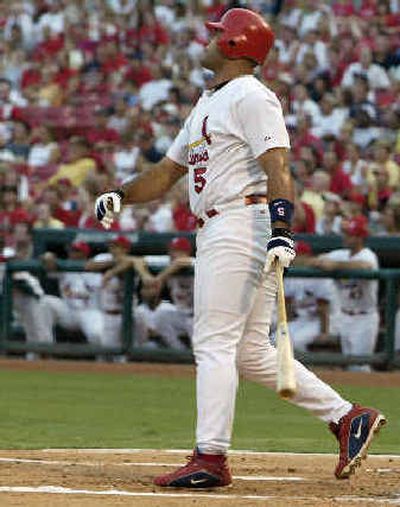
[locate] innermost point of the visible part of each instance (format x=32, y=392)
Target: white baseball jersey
x=80, y=290
x=181, y=291
x=357, y=295
x=225, y=133
x=305, y=292
x=111, y=295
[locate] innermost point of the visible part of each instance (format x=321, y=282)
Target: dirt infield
x=81, y=478
x=121, y=478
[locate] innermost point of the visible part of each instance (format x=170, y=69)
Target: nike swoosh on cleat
x=197, y=481
x=357, y=434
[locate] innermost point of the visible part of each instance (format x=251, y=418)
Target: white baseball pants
x=233, y=303
x=88, y=320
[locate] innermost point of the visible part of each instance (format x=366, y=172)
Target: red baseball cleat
x=201, y=471
x=354, y=432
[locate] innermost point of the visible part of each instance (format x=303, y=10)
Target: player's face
x=350, y=241
x=212, y=57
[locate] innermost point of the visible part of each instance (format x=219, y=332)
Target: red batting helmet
x=245, y=35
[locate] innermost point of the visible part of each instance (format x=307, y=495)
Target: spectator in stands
x=102, y=66
x=331, y=219
x=44, y=150
x=44, y=218
x=330, y=119
x=313, y=196
x=80, y=164
x=340, y=181
x=383, y=158
x=376, y=75
x=19, y=144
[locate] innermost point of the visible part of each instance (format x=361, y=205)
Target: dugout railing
x=384, y=358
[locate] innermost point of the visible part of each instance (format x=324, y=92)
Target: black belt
x=347, y=312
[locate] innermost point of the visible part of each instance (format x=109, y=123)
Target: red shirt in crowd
x=139, y=76
x=48, y=48
x=340, y=182
x=307, y=224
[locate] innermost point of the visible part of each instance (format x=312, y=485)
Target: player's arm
x=280, y=196
x=332, y=265
x=98, y=266
x=175, y=266
x=149, y=185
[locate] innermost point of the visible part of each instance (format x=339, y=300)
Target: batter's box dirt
x=121, y=478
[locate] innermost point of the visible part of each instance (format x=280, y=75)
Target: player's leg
x=354, y=426
x=143, y=325
x=303, y=332
x=32, y=315
x=345, y=327
x=112, y=332
x=227, y=275
x=58, y=312
x=257, y=361
x=363, y=335
x=169, y=324
x=91, y=322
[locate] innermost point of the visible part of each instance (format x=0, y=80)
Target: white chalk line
x=58, y=490
x=189, y=451
x=270, y=478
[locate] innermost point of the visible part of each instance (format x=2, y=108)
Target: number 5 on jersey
x=199, y=179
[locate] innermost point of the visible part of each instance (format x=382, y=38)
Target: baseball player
x=77, y=309
x=234, y=148
x=111, y=292
x=176, y=320
x=309, y=302
x=359, y=321
x=28, y=300
x=168, y=320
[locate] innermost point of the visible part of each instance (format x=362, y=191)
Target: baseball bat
x=286, y=380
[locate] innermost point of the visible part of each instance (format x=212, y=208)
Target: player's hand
x=281, y=248
x=107, y=206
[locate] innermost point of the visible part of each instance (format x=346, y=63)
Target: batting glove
x=280, y=247
x=107, y=206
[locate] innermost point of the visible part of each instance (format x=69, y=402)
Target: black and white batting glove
x=107, y=206
x=280, y=247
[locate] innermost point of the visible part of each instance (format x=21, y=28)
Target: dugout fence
x=385, y=357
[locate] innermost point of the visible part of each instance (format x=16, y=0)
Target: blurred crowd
x=91, y=91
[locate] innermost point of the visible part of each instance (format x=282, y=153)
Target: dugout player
x=232, y=144
x=359, y=319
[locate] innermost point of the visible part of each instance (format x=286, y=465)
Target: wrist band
x=120, y=192
x=283, y=233
x=281, y=210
